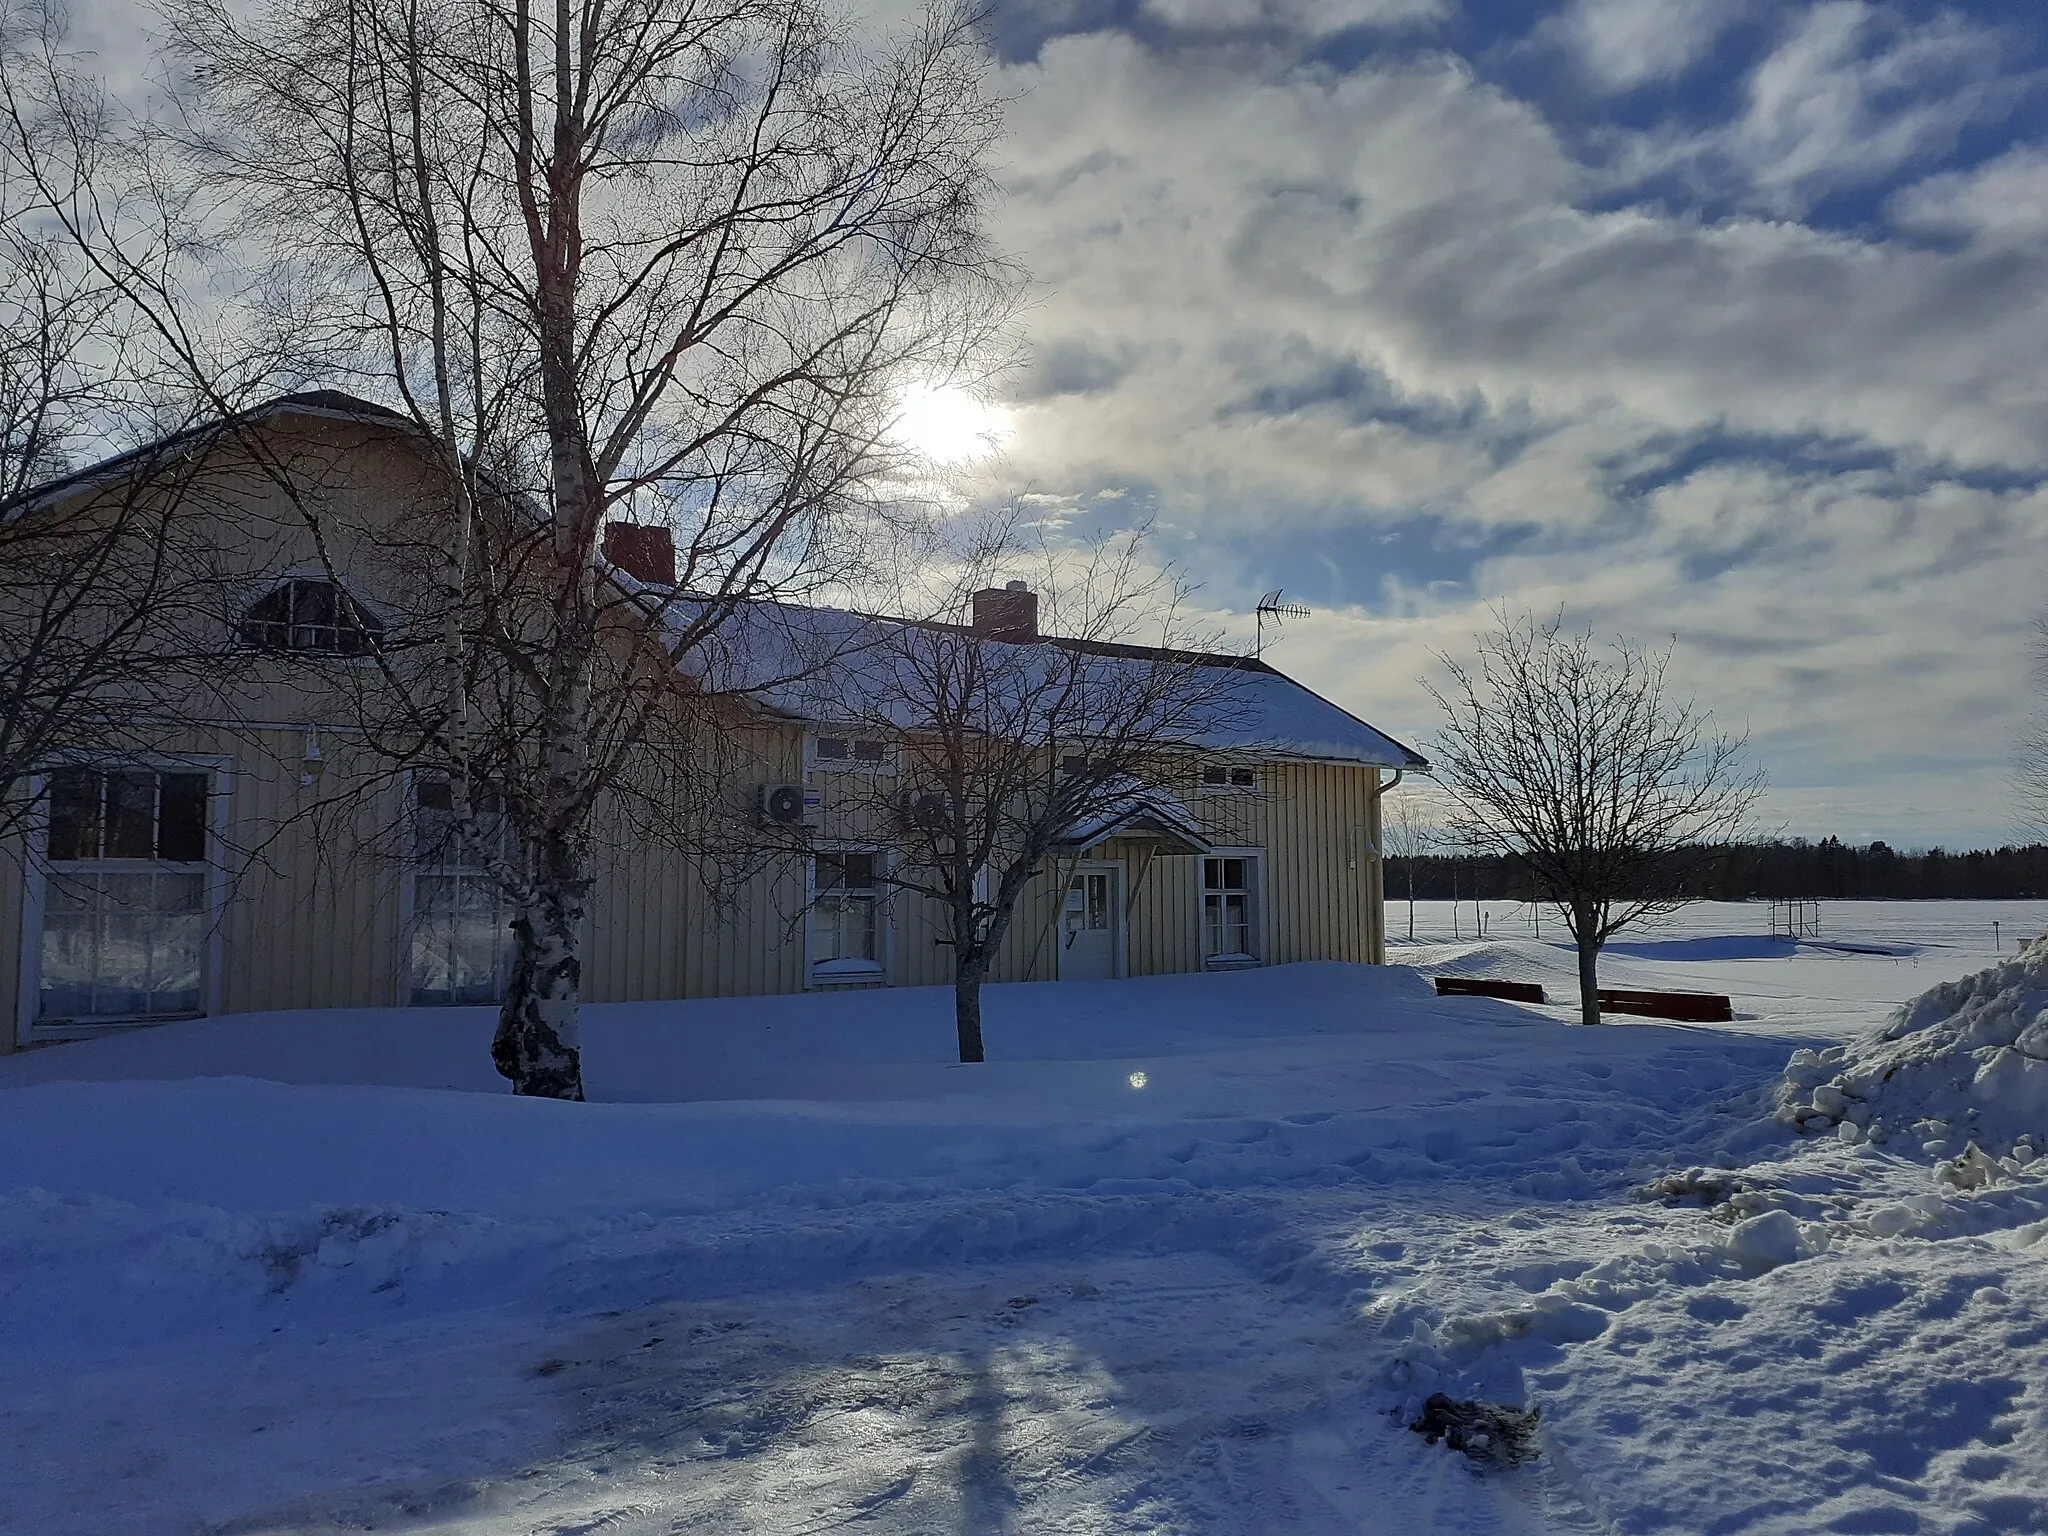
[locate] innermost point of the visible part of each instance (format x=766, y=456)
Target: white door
x=1091, y=924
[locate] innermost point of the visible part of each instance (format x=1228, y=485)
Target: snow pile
x=1964, y=1063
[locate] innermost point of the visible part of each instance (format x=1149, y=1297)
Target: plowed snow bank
x=1966, y=1061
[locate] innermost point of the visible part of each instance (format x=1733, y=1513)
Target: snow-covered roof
x=1142, y=812
x=834, y=666
x=154, y=455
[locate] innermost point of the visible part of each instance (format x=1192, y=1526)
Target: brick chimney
x=647, y=553
x=1006, y=613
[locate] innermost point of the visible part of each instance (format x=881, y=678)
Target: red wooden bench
x=1473, y=986
x=1692, y=1007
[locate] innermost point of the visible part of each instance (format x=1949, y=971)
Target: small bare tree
x=1407, y=833
x=1017, y=749
x=1582, y=764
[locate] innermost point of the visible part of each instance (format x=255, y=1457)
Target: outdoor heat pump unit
x=788, y=805
x=925, y=813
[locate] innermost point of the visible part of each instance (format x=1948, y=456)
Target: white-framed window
x=1230, y=908
x=850, y=752
x=127, y=896
x=310, y=616
x=849, y=937
x=1221, y=778
x=458, y=921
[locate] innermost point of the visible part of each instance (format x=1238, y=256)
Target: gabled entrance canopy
x=1140, y=814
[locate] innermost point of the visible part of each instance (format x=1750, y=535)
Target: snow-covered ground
x=1184, y=1256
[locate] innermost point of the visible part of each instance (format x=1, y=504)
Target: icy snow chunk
x=1968, y=1058
x=1973, y=1170
x=1767, y=1242
x=1554, y=1317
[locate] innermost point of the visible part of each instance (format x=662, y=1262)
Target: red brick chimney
x=647, y=553
x=1006, y=613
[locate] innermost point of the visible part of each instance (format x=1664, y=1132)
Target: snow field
x=817, y=1278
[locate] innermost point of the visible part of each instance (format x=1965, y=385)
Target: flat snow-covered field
x=1185, y=1256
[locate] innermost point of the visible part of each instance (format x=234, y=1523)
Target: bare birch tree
x=1020, y=747
x=106, y=609
x=1584, y=766
x=1406, y=834
x=662, y=262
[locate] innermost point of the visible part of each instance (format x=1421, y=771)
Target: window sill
x=845, y=981
x=1230, y=962
x=56, y=1030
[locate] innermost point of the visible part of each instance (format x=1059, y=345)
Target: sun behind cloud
x=947, y=424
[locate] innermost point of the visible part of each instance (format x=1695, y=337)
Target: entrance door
x=1091, y=924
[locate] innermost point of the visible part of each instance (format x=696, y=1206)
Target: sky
x=1713, y=323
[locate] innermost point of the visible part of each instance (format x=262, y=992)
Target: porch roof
x=1139, y=813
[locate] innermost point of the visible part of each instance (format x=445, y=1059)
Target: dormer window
x=311, y=617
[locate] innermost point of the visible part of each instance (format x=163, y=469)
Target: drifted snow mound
x=1964, y=1063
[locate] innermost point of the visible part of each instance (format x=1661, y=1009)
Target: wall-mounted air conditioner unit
x=925, y=813
x=788, y=805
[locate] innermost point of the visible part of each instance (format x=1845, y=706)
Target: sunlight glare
x=949, y=425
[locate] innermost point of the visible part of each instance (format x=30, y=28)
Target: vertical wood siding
x=312, y=917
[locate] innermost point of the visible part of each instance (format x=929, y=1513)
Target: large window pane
x=70, y=944
x=846, y=872
x=131, y=816
x=75, y=795
x=433, y=915
x=181, y=820
x=461, y=947
x=481, y=941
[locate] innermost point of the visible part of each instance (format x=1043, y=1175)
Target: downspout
x=1376, y=953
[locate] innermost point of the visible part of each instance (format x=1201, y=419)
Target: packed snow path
x=1184, y=1258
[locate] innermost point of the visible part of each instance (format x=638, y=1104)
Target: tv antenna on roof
x=1270, y=607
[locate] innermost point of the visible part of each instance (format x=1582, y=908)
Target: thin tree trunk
x=967, y=1009
x=1589, y=973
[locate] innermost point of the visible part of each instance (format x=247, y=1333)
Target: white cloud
x=1320, y=304
x=1196, y=224
x=1626, y=43
x=2004, y=201
x=1839, y=102
x=1312, y=17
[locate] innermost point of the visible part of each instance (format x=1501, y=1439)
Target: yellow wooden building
x=202, y=869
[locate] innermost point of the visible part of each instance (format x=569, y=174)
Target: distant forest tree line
x=1825, y=870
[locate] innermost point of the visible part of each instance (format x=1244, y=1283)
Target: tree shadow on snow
x=942, y=1404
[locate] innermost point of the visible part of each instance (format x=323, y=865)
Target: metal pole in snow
x=1996, y=942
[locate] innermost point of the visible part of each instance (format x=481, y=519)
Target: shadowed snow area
x=1186, y=1255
